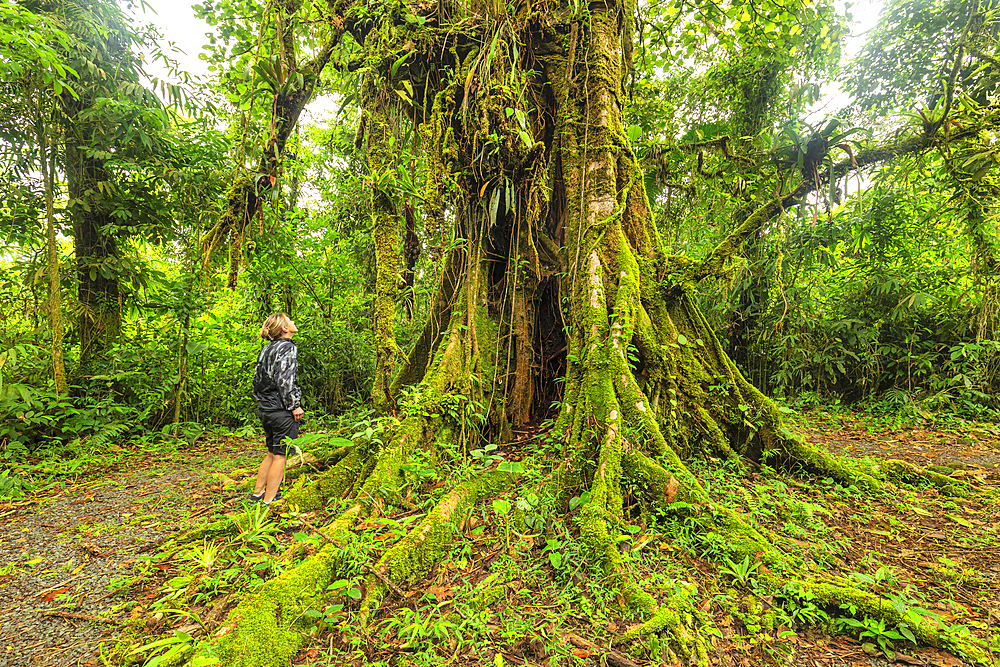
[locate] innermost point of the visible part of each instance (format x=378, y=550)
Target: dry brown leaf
x=670, y=490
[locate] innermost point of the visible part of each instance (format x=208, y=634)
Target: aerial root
x=422, y=548
x=908, y=472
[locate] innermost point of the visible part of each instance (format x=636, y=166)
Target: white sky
x=178, y=24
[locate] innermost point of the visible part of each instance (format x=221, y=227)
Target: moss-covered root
x=677, y=627
x=334, y=483
x=417, y=553
x=266, y=628
x=826, y=465
x=877, y=608
x=907, y=472
x=674, y=620
x=670, y=486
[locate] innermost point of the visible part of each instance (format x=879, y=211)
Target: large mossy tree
x=556, y=298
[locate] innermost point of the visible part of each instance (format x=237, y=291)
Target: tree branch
x=714, y=262
x=983, y=56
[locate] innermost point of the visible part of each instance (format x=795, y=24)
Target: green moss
x=129, y=637
x=874, y=607
x=422, y=548
x=907, y=472
x=331, y=484
x=675, y=618
x=265, y=629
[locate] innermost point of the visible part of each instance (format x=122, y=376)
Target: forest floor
x=78, y=559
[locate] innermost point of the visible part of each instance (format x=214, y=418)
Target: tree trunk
x=46, y=162
x=555, y=294
x=96, y=251
x=386, y=238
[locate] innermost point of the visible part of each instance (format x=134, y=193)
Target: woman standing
x=279, y=398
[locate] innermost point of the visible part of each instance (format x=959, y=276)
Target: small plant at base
x=742, y=572
x=205, y=555
x=875, y=629
x=484, y=456
x=502, y=507
x=179, y=645
x=554, y=550
x=255, y=528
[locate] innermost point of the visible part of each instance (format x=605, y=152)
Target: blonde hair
x=272, y=329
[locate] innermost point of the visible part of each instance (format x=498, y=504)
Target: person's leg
x=263, y=473
x=265, y=466
x=285, y=428
x=274, y=476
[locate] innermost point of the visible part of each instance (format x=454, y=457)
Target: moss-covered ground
x=514, y=586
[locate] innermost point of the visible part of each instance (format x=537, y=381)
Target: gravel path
x=970, y=449
x=66, y=554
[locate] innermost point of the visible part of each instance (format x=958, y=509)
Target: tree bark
x=46, y=163
x=100, y=320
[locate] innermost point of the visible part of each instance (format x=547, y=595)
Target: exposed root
x=266, y=628
x=907, y=472
x=878, y=608
x=825, y=465
x=422, y=548
x=334, y=483
x=680, y=626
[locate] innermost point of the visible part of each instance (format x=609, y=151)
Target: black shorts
x=278, y=427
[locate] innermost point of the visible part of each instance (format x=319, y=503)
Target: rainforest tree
x=556, y=298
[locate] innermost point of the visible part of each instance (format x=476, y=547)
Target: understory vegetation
x=563, y=273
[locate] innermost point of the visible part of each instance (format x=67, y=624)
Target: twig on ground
x=80, y=617
x=153, y=545
x=614, y=658
x=203, y=510
x=319, y=532
x=385, y=580
x=60, y=585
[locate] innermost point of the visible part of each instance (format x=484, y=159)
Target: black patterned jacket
x=276, y=378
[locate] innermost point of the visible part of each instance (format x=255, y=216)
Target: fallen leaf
x=670, y=490
x=440, y=592
x=226, y=629
x=582, y=653
x=51, y=595
x=883, y=533
x=960, y=521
